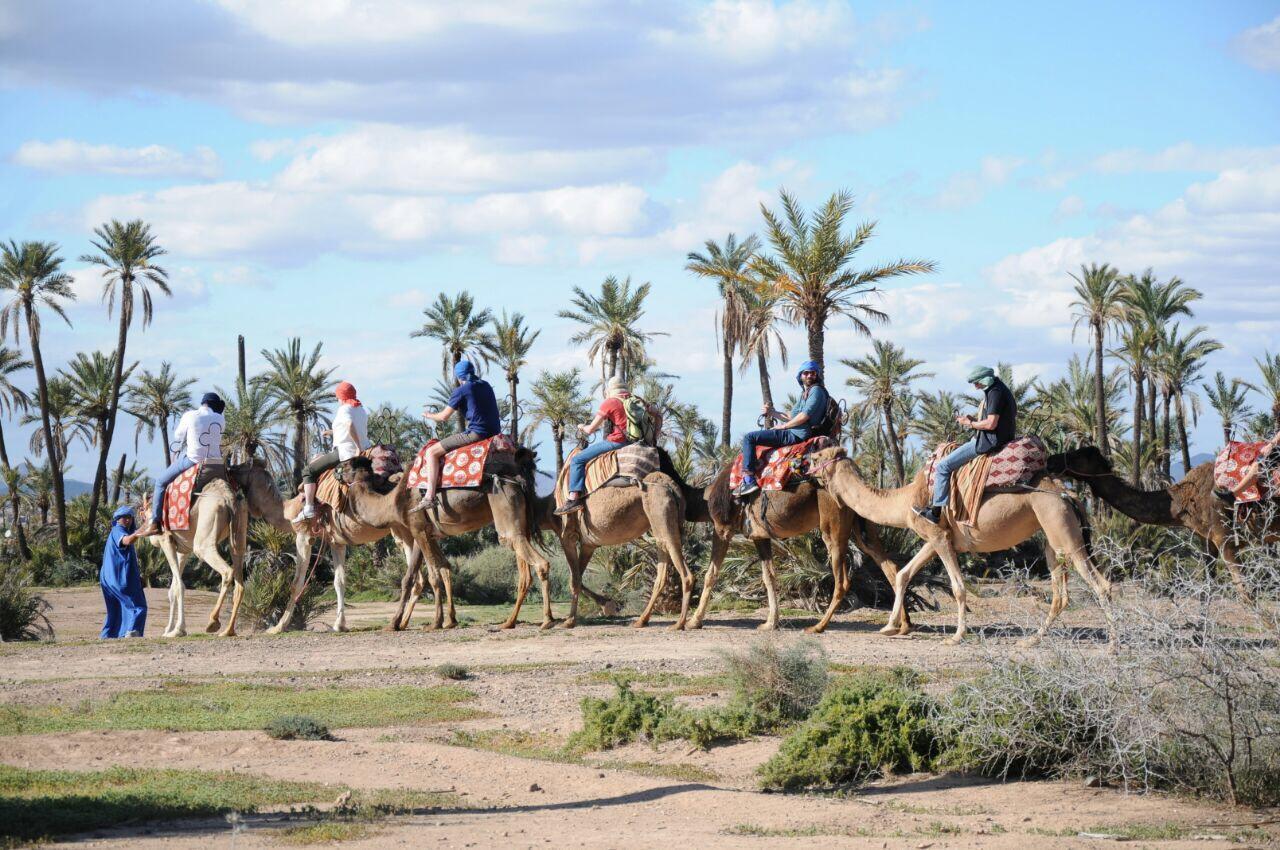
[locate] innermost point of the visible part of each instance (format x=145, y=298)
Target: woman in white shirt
x=350, y=435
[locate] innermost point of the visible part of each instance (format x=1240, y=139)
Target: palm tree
x=295, y=380
x=1227, y=398
x=1098, y=305
x=1179, y=359
x=762, y=333
x=1133, y=351
x=132, y=483
x=12, y=399
x=91, y=379
x=32, y=272
x=1067, y=407
x=882, y=377
x=610, y=319
x=724, y=264
x=557, y=401
x=397, y=427
x=811, y=271
x=458, y=327
x=251, y=414
x=127, y=254
x=38, y=488
x=936, y=422
x=1269, y=365
x=67, y=427
x=154, y=400
x=508, y=347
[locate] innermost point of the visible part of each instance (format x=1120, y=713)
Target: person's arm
x=439, y=415
x=987, y=424
x=128, y=539
x=795, y=421
x=594, y=424
x=178, y=444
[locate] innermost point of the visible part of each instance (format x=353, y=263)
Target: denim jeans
x=578, y=464
x=963, y=454
x=180, y=465
x=773, y=437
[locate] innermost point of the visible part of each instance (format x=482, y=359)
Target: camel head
x=821, y=464
x=258, y=484
x=1084, y=462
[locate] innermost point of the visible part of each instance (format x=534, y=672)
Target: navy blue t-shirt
x=475, y=401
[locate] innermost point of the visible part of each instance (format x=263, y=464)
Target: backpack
x=640, y=425
x=832, y=421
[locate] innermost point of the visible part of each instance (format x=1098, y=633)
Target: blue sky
x=324, y=169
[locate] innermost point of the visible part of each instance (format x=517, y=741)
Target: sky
x=325, y=168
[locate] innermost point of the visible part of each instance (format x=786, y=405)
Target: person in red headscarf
x=350, y=435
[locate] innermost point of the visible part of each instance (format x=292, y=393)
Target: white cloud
x=67, y=156
x=758, y=30
x=1069, y=207
x=1260, y=46
x=966, y=188
x=185, y=282
x=522, y=250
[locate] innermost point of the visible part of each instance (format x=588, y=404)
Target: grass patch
x=41, y=804
x=298, y=727
x=681, y=772
x=181, y=706
x=360, y=815
x=456, y=672
x=326, y=832
x=813, y=830
x=679, y=684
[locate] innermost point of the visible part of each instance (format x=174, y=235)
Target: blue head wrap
x=464, y=371
x=123, y=510
x=809, y=366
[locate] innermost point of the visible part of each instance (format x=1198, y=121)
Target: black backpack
x=832, y=421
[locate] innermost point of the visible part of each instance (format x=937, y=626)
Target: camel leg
x=339, y=559
x=576, y=567
x=408, y=583
x=719, y=547
x=441, y=572
x=302, y=542
x=523, y=580
x=511, y=521
x=952, y=563
x=659, y=582
x=664, y=506
x=898, y=624
x=1230, y=556
x=177, y=591
x=215, y=616
x=1058, y=582
x=765, y=550
x=870, y=545
x=835, y=534
x=1067, y=537
x=207, y=551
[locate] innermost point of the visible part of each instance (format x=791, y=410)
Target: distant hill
x=73, y=488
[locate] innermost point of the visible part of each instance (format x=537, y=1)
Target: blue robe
x=122, y=588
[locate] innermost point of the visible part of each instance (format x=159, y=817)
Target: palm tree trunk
x=115, y=488
x=726, y=398
x=557, y=434
x=1099, y=392
x=117, y=378
x=23, y=550
x=164, y=440
x=1166, y=435
x=1182, y=433
x=299, y=449
x=766, y=391
x=55, y=463
x=512, y=380
x=817, y=338
x=613, y=367
x=451, y=380
x=1151, y=410
x=898, y=467
x=1138, y=407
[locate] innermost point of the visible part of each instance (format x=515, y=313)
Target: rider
x=996, y=426
x=613, y=414
x=808, y=413
x=198, y=439
x=475, y=399
x=1250, y=474
x=350, y=434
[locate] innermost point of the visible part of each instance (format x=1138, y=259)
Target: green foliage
x=488, y=577
x=874, y=724
x=778, y=686
x=23, y=612
x=269, y=585
x=298, y=727
x=452, y=671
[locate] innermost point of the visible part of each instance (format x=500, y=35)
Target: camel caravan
x=987, y=494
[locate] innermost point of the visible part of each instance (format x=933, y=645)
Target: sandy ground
x=531, y=680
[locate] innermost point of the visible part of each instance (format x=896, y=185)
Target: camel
x=344, y=530
x=506, y=502
x=1190, y=503
x=779, y=515
x=1004, y=520
x=216, y=515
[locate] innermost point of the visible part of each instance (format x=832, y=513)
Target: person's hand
x=963, y=419
x=327, y=432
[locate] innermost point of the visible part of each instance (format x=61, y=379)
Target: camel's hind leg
x=870, y=545
x=339, y=559
x=664, y=506
x=765, y=549
x=302, y=543
x=1062, y=530
x=898, y=624
x=440, y=576
x=205, y=546
x=1060, y=593
x=410, y=589
x=512, y=522
x=719, y=548
x=837, y=526
x=577, y=566
x=659, y=582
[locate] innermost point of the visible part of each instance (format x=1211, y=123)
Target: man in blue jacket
x=810, y=410
x=473, y=397
x=121, y=581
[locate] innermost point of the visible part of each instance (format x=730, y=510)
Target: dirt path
x=530, y=680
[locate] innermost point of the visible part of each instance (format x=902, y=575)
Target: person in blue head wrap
x=474, y=399
x=807, y=415
x=121, y=581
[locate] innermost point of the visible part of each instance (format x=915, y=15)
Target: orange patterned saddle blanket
x=779, y=463
x=463, y=467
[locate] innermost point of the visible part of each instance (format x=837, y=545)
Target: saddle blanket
x=331, y=490
x=634, y=461
x=179, y=495
x=1016, y=463
x=779, y=463
x=1228, y=470
x=462, y=467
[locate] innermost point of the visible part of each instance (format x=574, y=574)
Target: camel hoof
x=815, y=629
x=767, y=626
x=213, y=627
x=547, y=624
x=569, y=622
x=954, y=640
x=1028, y=642
x=430, y=627
x=227, y=633
x=676, y=627
x=889, y=629
x=640, y=624
x=276, y=629
x=902, y=635
x=509, y=625
x=340, y=627
x=452, y=624
x=694, y=624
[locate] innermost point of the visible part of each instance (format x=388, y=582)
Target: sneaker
x=572, y=506
x=1225, y=495
x=931, y=514
x=423, y=503
x=747, y=487
x=307, y=514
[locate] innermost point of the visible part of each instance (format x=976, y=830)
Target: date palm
x=882, y=376
x=155, y=399
x=12, y=399
x=1098, y=304
x=936, y=422
x=508, y=347
x=1228, y=399
x=31, y=275
x=1269, y=366
x=458, y=327
x=251, y=415
x=37, y=489
x=763, y=333
x=397, y=427
x=557, y=402
x=66, y=426
x=610, y=320
x=128, y=254
x=812, y=268
x=1179, y=359
x=91, y=379
x=724, y=265
x=295, y=380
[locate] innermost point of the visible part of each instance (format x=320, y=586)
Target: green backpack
x=640, y=425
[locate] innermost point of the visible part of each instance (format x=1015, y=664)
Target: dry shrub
x=269, y=583
x=23, y=612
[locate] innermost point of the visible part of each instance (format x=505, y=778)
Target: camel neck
x=1150, y=507
x=883, y=507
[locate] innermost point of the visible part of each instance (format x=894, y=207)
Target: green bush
x=23, y=612
x=875, y=724
x=455, y=672
x=69, y=572
x=488, y=577
x=298, y=727
x=778, y=686
x=269, y=586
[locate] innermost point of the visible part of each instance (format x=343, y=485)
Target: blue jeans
x=774, y=437
x=966, y=453
x=578, y=464
x=180, y=465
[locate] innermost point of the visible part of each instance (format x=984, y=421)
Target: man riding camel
x=614, y=414
x=474, y=398
x=996, y=427
x=808, y=413
x=198, y=439
x=349, y=432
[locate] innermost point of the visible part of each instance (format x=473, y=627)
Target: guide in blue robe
x=121, y=580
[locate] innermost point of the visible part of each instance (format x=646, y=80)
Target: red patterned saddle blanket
x=181, y=493
x=778, y=464
x=1016, y=463
x=1228, y=470
x=462, y=467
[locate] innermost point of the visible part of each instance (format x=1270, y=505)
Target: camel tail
x=695, y=504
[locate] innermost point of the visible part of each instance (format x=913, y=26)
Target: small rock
x=535, y=787
x=1092, y=781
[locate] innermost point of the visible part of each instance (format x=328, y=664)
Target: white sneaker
x=307, y=513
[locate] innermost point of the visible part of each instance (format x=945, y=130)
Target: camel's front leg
x=835, y=534
x=573, y=557
x=302, y=544
x=410, y=583
x=215, y=616
x=898, y=624
x=719, y=548
x=659, y=582
x=523, y=581
x=871, y=546
x=952, y=563
x=446, y=617
x=176, y=626
x=207, y=551
x=340, y=586
x=767, y=574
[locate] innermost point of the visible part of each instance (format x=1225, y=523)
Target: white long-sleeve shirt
x=350, y=431
x=199, y=434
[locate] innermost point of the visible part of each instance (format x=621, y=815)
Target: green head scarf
x=983, y=375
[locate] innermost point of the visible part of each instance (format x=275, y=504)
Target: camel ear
x=840, y=453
